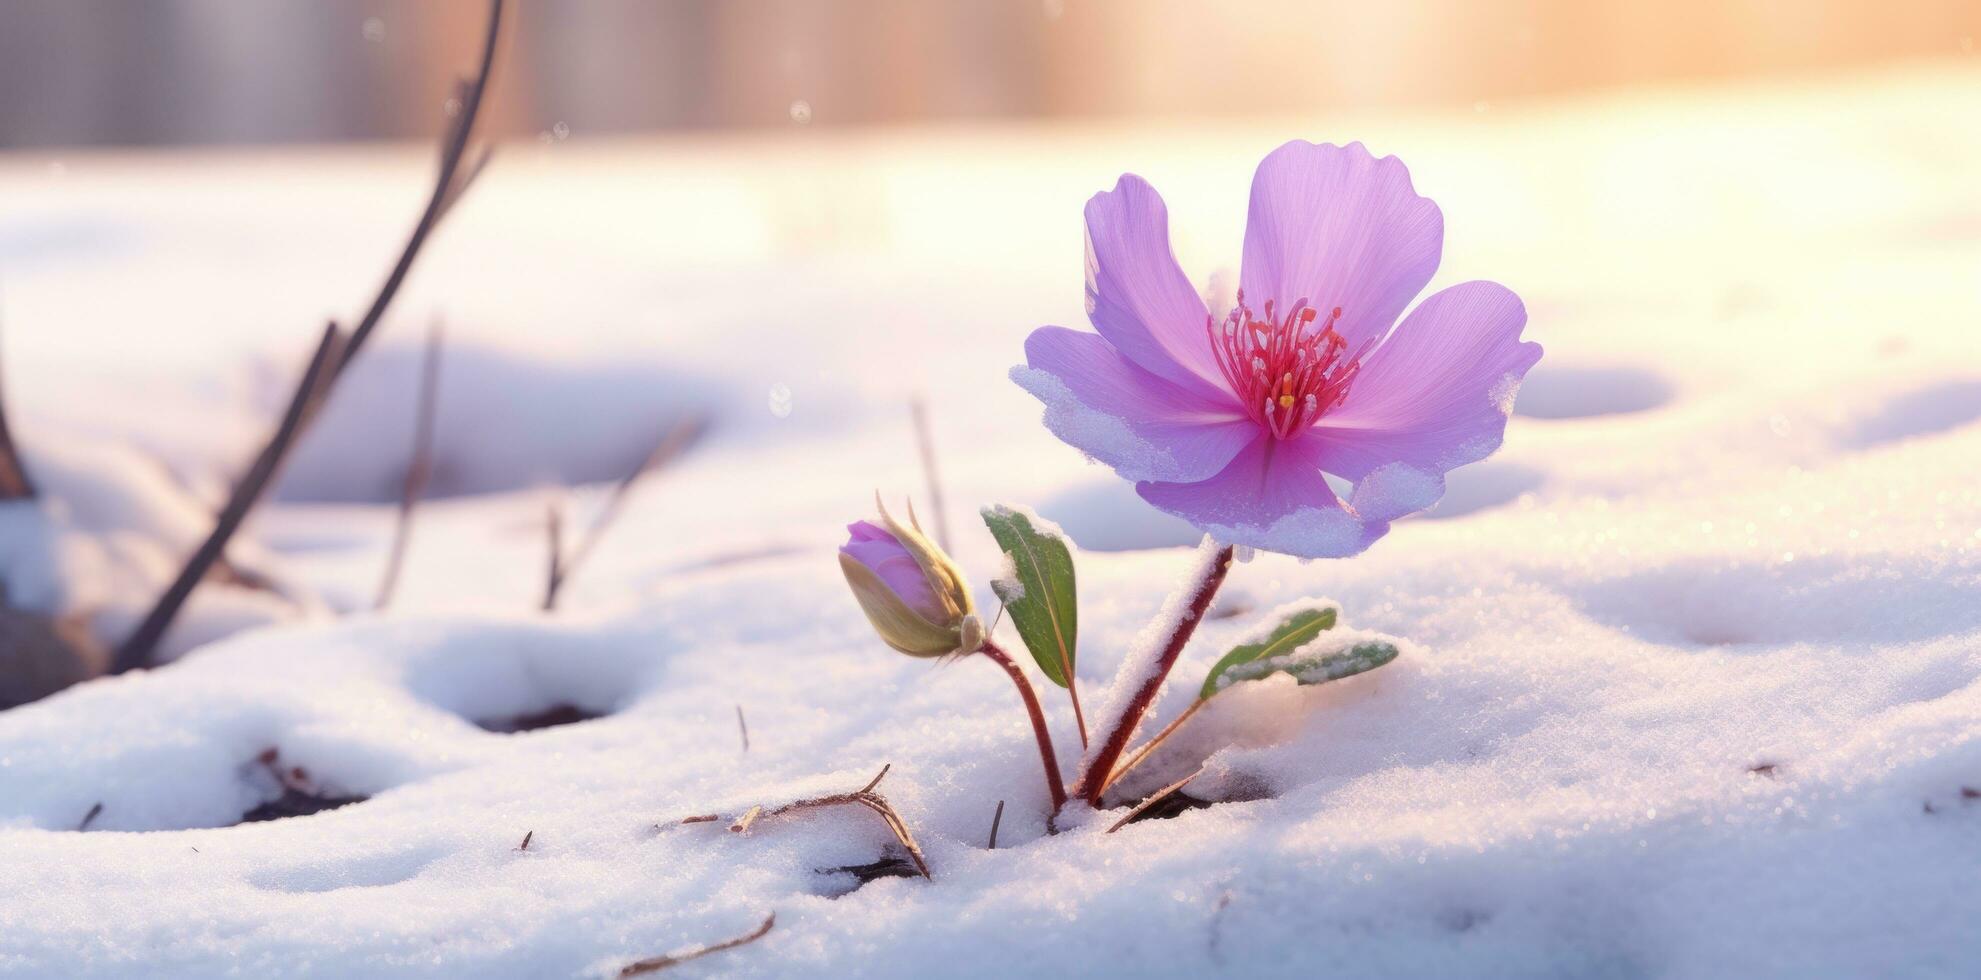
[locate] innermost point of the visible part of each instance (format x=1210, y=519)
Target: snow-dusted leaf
x=1039, y=588
x=1326, y=659
x=1294, y=629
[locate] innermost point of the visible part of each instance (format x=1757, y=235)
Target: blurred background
x=110, y=72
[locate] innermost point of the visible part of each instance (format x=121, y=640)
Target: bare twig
x=702, y=818
x=1160, y=795
x=673, y=443
x=95, y=810
x=996, y=819
x=864, y=796
x=14, y=482
x=749, y=817
x=743, y=727
x=527, y=837
x=334, y=354
x=659, y=963
x=925, y=440
x=419, y=468
x=137, y=649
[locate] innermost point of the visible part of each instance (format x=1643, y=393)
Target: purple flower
x=913, y=594
x=870, y=545
x=1230, y=423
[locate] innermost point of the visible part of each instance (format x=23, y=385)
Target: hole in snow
x=551, y=717
x=847, y=879
x=1577, y=393
x=289, y=790
x=1917, y=413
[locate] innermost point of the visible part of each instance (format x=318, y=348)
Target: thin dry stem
x=334, y=355
x=925, y=441
x=1160, y=795
x=996, y=820
x=658, y=963
x=672, y=444
x=865, y=797
x=419, y=468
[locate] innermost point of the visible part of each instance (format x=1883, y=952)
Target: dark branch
x=333, y=355
x=14, y=482
x=137, y=650
x=419, y=468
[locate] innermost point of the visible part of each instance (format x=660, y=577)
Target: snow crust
x=1695, y=678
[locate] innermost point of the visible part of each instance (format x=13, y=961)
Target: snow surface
x=1694, y=685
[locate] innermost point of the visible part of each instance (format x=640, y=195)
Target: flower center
x=1285, y=370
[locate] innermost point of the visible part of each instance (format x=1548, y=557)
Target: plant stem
x=1093, y=781
x=1135, y=758
x=1046, y=754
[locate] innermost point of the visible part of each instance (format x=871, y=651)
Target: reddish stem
x=1093, y=781
x=1046, y=754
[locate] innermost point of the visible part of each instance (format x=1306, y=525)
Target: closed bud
x=914, y=596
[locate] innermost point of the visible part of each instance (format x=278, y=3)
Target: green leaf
x=1319, y=662
x=1294, y=630
x=1040, y=592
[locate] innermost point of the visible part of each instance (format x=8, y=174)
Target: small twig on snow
x=996, y=819
x=676, y=441
x=525, y=845
x=419, y=467
x=743, y=727
x=659, y=963
x=865, y=796
x=95, y=810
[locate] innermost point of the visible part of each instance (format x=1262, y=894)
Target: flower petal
x=1433, y=397
x=1137, y=297
x=1271, y=496
x=1143, y=426
x=1339, y=227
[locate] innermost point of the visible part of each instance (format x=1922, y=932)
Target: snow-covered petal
x=1137, y=296
x=1145, y=427
x=1338, y=227
x=1433, y=397
x=1272, y=496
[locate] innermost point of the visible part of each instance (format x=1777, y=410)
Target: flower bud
x=914, y=596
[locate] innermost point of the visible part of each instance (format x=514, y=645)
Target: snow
x=1693, y=684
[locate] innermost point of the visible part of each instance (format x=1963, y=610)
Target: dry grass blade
x=743, y=727
x=659, y=963
x=996, y=819
x=419, y=469
x=138, y=649
x=1160, y=795
x=14, y=482
x=676, y=441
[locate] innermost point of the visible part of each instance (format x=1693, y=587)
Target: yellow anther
x=1286, y=401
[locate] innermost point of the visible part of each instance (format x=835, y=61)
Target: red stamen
x=1286, y=372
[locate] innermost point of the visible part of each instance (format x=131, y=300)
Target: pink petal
x=1338, y=227
x=1137, y=297
x=1433, y=397
x=1271, y=496
x=1143, y=426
